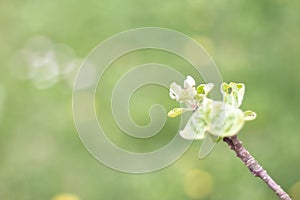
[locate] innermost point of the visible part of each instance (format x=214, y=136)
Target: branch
x=256, y=169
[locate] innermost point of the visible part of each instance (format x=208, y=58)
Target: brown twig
x=256, y=169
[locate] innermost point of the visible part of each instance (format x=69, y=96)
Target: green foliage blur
x=41, y=155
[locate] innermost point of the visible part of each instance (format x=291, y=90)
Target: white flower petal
x=208, y=87
x=189, y=82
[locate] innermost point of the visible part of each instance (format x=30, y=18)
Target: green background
x=257, y=43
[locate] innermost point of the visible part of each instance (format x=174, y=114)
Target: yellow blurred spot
x=66, y=197
x=198, y=184
x=295, y=191
x=206, y=42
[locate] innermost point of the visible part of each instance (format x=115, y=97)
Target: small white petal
x=189, y=82
x=208, y=87
x=173, y=94
x=175, y=91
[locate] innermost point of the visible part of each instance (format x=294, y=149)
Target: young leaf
x=195, y=127
x=233, y=93
x=205, y=88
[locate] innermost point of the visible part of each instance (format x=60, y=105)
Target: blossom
x=217, y=118
x=186, y=94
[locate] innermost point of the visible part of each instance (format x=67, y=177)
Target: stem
x=256, y=169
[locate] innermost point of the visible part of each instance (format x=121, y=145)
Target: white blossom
x=217, y=118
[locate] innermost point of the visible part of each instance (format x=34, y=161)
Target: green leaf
x=205, y=88
x=224, y=120
x=195, y=128
x=233, y=93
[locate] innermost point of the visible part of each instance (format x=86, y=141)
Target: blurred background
x=42, y=44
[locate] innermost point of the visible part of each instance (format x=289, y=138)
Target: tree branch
x=256, y=169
